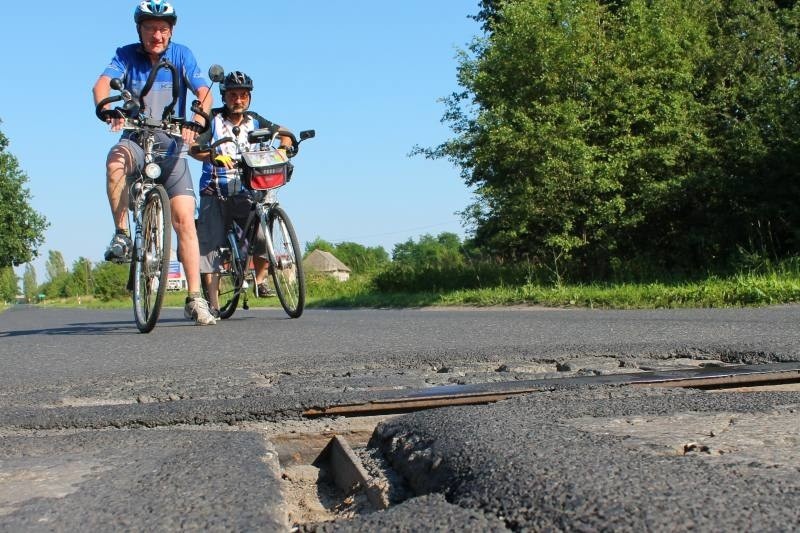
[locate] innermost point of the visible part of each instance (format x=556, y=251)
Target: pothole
x=328, y=470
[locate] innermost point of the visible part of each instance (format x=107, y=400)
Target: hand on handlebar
x=116, y=123
x=224, y=161
x=189, y=135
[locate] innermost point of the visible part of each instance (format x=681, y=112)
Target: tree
x=753, y=97
x=361, y=258
x=9, y=284
x=600, y=135
x=81, y=278
x=358, y=257
x=319, y=243
x=57, y=276
x=110, y=281
x=489, y=13
x=29, y=285
x=23, y=228
x=55, y=265
x=443, y=251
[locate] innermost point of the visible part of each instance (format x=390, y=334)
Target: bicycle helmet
x=155, y=9
x=236, y=80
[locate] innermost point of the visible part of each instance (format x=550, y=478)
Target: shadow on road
x=111, y=327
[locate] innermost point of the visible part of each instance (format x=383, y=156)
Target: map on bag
x=266, y=158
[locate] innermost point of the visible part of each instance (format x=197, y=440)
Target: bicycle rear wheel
x=151, y=259
x=230, y=286
x=285, y=263
x=231, y=280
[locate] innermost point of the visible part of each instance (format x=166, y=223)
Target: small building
x=327, y=263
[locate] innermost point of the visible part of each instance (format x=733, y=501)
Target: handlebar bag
x=264, y=170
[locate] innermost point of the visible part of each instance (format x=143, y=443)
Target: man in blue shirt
x=155, y=21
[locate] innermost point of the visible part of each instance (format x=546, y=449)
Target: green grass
x=735, y=291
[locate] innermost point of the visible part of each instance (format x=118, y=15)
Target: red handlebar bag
x=264, y=170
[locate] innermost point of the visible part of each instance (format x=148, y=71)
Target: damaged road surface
x=530, y=419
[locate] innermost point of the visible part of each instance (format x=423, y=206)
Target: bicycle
x=263, y=171
x=149, y=206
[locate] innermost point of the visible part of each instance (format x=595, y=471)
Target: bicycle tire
x=285, y=262
x=151, y=258
x=231, y=279
x=230, y=285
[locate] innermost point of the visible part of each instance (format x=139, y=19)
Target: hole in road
x=330, y=473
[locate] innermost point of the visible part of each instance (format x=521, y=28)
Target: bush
x=407, y=278
x=110, y=281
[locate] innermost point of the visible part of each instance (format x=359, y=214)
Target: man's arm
x=100, y=91
x=206, y=101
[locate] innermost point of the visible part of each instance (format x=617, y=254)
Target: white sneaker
x=197, y=309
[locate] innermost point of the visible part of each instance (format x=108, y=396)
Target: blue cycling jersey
x=133, y=66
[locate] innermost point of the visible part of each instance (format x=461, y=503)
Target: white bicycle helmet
x=155, y=9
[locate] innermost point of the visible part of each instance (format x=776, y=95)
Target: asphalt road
x=104, y=428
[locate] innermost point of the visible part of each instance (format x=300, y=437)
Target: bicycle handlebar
x=260, y=136
x=134, y=109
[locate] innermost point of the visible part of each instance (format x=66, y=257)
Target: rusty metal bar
x=452, y=395
x=399, y=405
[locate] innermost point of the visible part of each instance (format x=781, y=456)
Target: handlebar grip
x=194, y=125
x=104, y=114
x=295, y=147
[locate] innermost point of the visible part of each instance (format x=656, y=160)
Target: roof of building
x=322, y=261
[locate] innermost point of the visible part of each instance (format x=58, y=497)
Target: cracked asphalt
x=106, y=428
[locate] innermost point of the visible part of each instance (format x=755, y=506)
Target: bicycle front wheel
x=285, y=263
x=151, y=259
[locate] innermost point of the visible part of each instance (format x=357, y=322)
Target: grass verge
x=736, y=291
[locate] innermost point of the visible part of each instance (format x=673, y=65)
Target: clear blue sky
x=367, y=75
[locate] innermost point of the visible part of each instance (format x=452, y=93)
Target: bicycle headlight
x=152, y=171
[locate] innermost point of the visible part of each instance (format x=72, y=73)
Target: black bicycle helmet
x=155, y=9
x=236, y=80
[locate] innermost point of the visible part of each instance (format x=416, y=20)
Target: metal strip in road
x=728, y=381
x=451, y=395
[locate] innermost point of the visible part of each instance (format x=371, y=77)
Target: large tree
x=23, y=228
x=598, y=135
